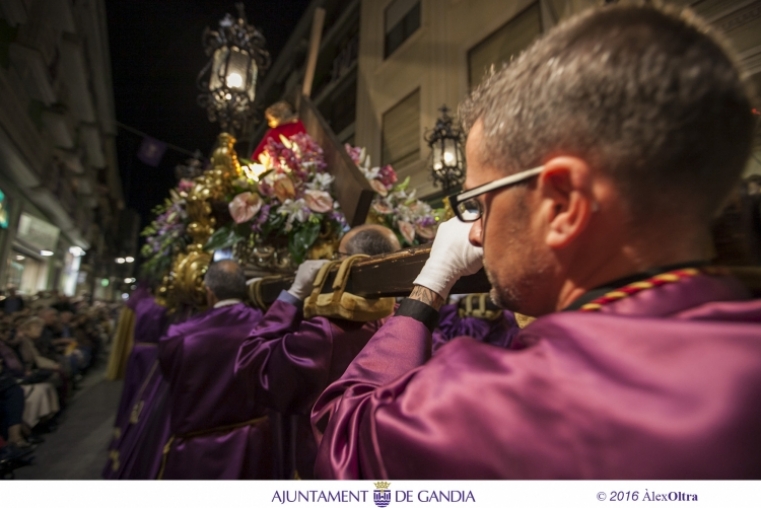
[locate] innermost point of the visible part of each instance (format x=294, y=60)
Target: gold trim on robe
x=204, y=432
x=121, y=345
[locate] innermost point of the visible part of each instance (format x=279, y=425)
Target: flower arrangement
x=167, y=235
x=395, y=205
x=282, y=204
x=283, y=200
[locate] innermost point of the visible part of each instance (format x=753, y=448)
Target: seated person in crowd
x=12, y=302
x=287, y=360
x=46, y=341
x=596, y=161
x=28, y=336
x=11, y=408
x=218, y=429
x=41, y=400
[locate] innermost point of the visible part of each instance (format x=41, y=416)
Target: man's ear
x=565, y=187
x=211, y=298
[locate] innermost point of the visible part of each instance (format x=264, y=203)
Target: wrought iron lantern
x=228, y=81
x=447, y=160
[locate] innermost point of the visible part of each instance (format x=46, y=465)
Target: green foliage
x=225, y=237
x=302, y=239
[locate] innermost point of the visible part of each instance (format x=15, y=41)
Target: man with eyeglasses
x=596, y=161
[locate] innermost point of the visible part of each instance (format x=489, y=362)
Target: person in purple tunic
x=150, y=324
x=141, y=383
x=643, y=362
x=498, y=328
x=287, y=360
x=218, y=429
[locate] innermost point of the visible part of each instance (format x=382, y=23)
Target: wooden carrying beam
x=314, y=48
x=381, y=276
x=350, y=187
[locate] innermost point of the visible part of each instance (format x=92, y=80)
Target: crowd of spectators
x=48, y=343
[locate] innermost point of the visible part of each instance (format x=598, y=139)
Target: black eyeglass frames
x=468, y=209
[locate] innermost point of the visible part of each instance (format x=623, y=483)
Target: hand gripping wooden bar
x=382, y=276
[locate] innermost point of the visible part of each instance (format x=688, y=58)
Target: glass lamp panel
x=238, y=64
x=450, y=152
x=253, y=74
x=437, y=159
x=217, y=68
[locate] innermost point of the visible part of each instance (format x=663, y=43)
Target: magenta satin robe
x=218, y=429
x=287, y=361
x=498, y=332
x=663, y=384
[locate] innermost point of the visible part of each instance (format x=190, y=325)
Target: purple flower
x=264, y=214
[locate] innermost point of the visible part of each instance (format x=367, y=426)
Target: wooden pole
x=351, y=188
x=314, y=48
x=381, y=276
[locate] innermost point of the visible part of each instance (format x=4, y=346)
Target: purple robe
x=218, y=430
x=663, y=384
x=150, y=324
x=288, y=361
x=498, y=332
x=137, y=451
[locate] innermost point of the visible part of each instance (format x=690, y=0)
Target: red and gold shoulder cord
x=653, y=282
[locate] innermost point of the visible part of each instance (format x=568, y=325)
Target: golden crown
x=382, y=485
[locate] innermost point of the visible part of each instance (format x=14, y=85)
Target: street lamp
x=228, y=81
x=447, y=160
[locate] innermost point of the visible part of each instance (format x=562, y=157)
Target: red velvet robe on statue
x=286, y=129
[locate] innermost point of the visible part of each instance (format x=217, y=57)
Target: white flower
x=321, y=182
x=295, y=210
x=370, y=174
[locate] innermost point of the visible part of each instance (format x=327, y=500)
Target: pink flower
x=283, y=188
x=185, y=185
x=382, y=207
x=425, y=232
x=387, y=175
x=378, y=187
x=355, y=153
x=318, y=201
x=244, y=206
x=407, y=230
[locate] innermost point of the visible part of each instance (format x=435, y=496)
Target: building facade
x=385, y=67
x=62, y=196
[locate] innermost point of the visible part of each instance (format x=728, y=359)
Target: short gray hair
x=226, y=280
x=372, y=241
x=647, y=95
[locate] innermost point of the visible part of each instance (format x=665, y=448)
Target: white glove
x=302, y=284
x=452, y=256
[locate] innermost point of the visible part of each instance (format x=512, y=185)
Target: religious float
x=293, y=203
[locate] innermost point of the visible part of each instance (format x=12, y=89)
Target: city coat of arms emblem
x=382, y=496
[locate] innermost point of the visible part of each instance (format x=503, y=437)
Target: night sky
x=156, y=55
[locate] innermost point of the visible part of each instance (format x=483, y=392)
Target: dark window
x=400, y=143
x=402, y=19
x=504, y=43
